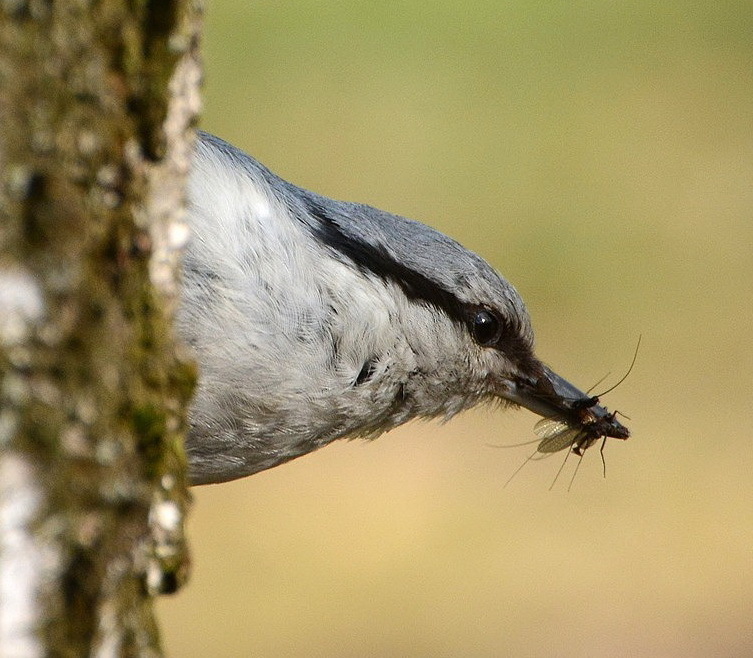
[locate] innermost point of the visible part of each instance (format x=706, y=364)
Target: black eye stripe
x=491, y=329
x=376, y=260
x=418, y=287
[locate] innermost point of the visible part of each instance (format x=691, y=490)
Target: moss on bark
x=94, y=387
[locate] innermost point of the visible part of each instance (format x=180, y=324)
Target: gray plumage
x=315, y=319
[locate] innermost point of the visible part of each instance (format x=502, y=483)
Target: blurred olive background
x=600, y=155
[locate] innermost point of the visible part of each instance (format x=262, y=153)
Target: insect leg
x=575, y=472
x=564, y=461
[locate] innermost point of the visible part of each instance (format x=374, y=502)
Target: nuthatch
x=314, y=320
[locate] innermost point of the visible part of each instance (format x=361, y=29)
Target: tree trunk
x=97, y=100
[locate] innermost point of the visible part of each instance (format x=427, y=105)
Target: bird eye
x=485, y=327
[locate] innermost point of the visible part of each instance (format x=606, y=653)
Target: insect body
x=593, y=422
x=557, y=434
x=572, y=419
x=583, y=422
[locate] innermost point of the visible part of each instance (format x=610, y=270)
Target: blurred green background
x=600, y=155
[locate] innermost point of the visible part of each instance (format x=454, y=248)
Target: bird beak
x=551, y=396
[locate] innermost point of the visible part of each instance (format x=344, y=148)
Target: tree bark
x=97, y=104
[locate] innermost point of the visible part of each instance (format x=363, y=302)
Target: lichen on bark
x=97, y=103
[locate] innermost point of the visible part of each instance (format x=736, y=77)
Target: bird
x=313, y=320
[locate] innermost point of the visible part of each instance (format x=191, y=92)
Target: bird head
x=469, y=330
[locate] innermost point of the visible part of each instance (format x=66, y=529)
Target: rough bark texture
x=97, y=100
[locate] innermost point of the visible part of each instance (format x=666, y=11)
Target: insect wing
x=555, y=435
x=549, y=427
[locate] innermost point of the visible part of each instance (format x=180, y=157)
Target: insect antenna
x=625, y=376
x=588, y=392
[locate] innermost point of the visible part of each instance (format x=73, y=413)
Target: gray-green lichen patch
x=93, y=388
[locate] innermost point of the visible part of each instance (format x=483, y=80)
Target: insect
x=580, y=424
x=557, y=434
x=586, y=423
